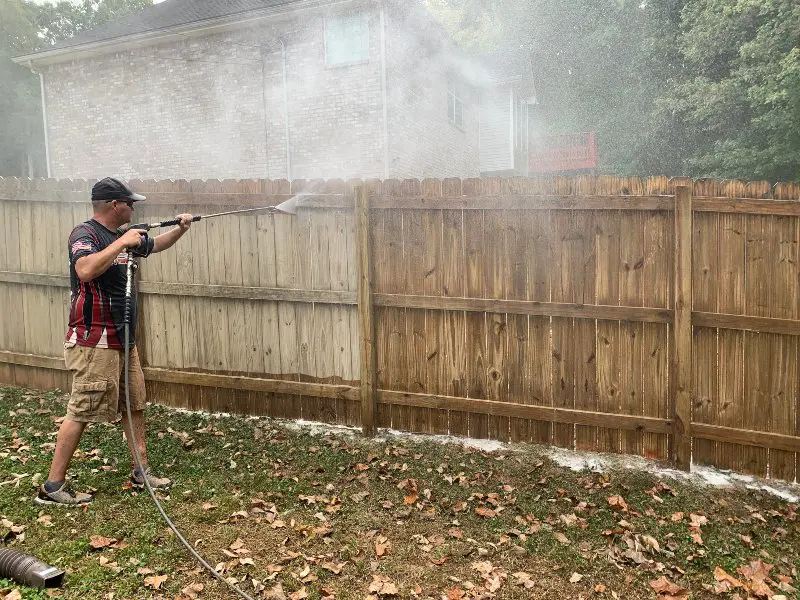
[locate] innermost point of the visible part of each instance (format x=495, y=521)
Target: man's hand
x=132, y=238
x=186, y=221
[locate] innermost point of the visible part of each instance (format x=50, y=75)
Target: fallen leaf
x=599, y=588
x=697, y=520
x=275, y=593
x=383, y=586
x=98, y=541
x=561, y=538
x=524, y=579
x=155, y=581
x=193, y=590
x=575, y=578
x=617, y=503
x=334, y=568
x=299, y=594
x=667, y=590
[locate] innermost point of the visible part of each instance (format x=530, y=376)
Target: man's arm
x=168, y=239
x=93, y=265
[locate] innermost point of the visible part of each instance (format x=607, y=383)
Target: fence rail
x=646, y=316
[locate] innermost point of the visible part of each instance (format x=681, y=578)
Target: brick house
x=262, y=89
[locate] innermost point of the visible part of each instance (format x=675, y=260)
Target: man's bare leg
x=69, y=435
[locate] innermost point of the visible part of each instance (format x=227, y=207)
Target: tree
x=703, y=88
x=739, y=102
x=26, y=27
x=20, y=123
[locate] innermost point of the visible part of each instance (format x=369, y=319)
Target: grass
x=333, y=515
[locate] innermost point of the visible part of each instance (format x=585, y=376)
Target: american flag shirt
x=97, y=307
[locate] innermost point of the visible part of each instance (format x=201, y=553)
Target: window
x=455, y=107
x=346, y=39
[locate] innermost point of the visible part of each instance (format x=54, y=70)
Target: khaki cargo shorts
x=98, y=384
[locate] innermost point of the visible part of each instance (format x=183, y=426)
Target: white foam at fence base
x=569, y=459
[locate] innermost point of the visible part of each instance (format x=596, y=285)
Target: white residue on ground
x=592, y=461
x=569, y=459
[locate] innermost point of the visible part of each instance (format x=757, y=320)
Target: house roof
x=166, y=15
x=163, y=21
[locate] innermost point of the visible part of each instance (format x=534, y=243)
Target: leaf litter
x=295, y=511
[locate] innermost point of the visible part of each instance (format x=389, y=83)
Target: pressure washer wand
x=287, y=208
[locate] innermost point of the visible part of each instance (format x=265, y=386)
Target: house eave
x=176, y=33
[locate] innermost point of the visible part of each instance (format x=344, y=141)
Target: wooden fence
x=645, y=316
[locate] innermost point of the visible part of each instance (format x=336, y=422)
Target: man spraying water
x=94, y=346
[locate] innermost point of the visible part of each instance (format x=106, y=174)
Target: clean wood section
x=516, y=307
x=682, y=403
x=524, y=307
x=365, y=312
x=743, y=322
x=390, y=397
x=554, y=295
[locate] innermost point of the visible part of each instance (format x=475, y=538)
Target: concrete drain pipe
x=28, y=570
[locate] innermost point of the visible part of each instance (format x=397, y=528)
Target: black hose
x=28, y=570
x=137, y=456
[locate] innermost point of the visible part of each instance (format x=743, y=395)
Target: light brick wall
x=423, y=143
x=195, y=109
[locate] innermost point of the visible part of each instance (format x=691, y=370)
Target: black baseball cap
x=109, y=189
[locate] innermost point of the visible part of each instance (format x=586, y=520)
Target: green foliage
x=704, y=88
x=26, y=27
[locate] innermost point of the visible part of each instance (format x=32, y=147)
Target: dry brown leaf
x=561, y=538
x=721, y=575
x=299, y=594
x=275, y=593
x=383, y=586
x=575, y=578
x=617, y=503
x=237, y=544
x=13, y=595
x=333, y=567
x=455, y=594
x=193, y=590
x=697, y=520
x=482, y=511
x=155, y=581
x=98, y=541
x=209, y=505
x=668, y=590
x=524, y=579
x=599, y=588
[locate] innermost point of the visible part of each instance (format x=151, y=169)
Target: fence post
x=366, y=324
x=681, y=454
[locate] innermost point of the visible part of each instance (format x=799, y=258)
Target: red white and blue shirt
x=97, y=307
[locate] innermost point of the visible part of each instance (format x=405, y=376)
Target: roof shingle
x=166, y=15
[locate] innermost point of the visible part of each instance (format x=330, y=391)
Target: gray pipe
x=28, y=570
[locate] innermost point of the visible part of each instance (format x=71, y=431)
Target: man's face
x=123, y=209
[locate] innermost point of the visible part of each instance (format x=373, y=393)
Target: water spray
x=288, y=207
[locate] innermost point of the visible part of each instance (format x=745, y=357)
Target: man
x=94, y=350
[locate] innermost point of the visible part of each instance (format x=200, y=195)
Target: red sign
x=565, y=152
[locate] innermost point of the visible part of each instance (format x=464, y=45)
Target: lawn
x=290, y=512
